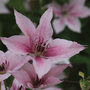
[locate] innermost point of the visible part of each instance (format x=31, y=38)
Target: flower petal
x=25, y=24
x=58, y=25
x=22, y=76
x=60, y=48
x=42, y=66
x=56, y=70
x=73, y=23
x=81, y=12
x=50, y=81
x=52, y=88
x=17, y=44
x=74, y=3
x=18, y=61
x=29, y=68
x=44, y=29
x=4, y=76
x=2, y=57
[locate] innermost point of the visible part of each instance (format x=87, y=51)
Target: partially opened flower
x=28, y=77
x=10, y=62
x=36, y=42
x=68, y=15
x=3, y=8
x=16, y=85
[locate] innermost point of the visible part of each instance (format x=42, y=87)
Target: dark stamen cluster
x=3, y=67
x=39, y=46
x=38, y=82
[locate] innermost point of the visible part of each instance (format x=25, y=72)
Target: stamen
x=3, y=67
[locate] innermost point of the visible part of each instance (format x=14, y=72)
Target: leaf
x=81, y=74
x=84, y=84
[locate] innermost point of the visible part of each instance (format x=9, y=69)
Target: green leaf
x=81, y=74
x=9, y=81
x=84, y=84
x=17, y=4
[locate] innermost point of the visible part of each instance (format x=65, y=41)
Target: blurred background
x=33, y=9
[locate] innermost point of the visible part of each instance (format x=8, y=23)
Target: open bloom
x=10, y=62
x=36, y=42
x=30, y=79
x=3, y=8
x=68, y=15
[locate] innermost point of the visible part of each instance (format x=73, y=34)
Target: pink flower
x=10, y=62
x=17, y=85
x=3, y=8
x=68, y=15
x=28, y=77
x=36, y=43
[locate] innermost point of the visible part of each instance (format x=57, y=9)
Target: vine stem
x=70, y=81
x=0, y=85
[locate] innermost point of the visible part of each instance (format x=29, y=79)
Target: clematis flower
x=3, y=9
x=17, y=85
x=68, y=15
x=36, y=43
x=10, y=62
x=29, y=78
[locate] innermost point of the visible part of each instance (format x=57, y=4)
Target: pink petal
x=73, y=23
x=22, y=76
x=44, y=29
x=2, y=86
x=18, y=61
x=41, y=65
x=56, y=70
x=58, y=25
x=51, y=81
x=4, y=76
x=29, y=68
x=25, y=24
x=56, y=9
x=52, y=88
x=74, y=3
x=60, y=48
x=17, y=44
x=2, y=57
x=81, y=12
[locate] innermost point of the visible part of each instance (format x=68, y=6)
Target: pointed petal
x=60, y=48
x=25, y=24
x=42, y=66
x=73, y=23
x=4, y=76
x=29, y=68
x=56, y=70
x=73, y=4
x=58, y=25
x=17, y=44
x=22, y=76
x=18, y=61
x=56, y=9
x=52, y=88
x=2, y=57
x=51, y=81
x=81, y=12
x=44, y=29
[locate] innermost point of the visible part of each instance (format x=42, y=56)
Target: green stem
x=0, y=85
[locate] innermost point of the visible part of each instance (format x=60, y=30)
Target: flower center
x=64, y=12
x=38, y=82
x=39, y=46
x=3, y=67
